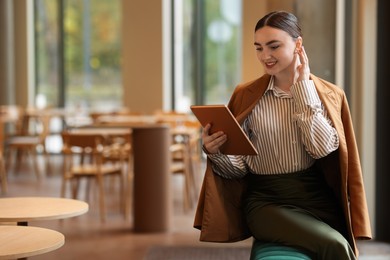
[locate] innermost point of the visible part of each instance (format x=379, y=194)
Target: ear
x=298, y=43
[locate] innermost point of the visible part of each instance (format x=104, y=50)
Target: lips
x=269, y=64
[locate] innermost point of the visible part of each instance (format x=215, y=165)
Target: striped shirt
x=290, y=131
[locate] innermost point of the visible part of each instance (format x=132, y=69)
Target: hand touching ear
x=303, y=69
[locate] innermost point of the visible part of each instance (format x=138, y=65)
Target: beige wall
x=363, y=91
x=16, y=77
x=24, y=89
x=142, y=55
x=252, y=10
x=6, y=53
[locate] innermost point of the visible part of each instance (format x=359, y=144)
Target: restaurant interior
x=100, y=153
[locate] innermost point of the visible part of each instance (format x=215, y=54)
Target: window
x=78, y=50
x=207, y=43
x=46, y=52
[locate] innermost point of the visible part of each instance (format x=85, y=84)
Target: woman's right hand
x=212, y=142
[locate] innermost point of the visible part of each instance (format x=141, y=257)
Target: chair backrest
x=14, y=117
x=38, y=126
x=95, y=141
x=81, y=149
x=82, y=141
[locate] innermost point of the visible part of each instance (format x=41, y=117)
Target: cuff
x=304, y=94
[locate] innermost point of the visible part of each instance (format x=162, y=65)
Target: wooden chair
x=184, y=150
x=84, y=158
x=181, y=164
x=29, y=142
x=118, y=150
x=185, y=162
x=10, y=116
x=14, y=116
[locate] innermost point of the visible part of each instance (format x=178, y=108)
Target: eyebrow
x=268, y=43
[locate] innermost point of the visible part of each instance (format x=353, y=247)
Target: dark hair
x=281, y=20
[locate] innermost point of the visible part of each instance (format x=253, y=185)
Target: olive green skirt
x=297, y=209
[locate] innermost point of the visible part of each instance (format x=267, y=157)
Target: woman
x=305, y=186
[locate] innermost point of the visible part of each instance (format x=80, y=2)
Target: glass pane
x=222, y=70
x=184, y=54
x=207, y=56
x=92, y=54
x=46, y=56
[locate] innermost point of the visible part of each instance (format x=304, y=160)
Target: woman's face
x=275, y=49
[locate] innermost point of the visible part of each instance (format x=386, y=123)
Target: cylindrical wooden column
x=152, y=179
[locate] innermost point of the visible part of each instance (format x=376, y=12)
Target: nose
x=265, y=54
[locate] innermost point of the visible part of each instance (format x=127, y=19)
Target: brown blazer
x=219, y=215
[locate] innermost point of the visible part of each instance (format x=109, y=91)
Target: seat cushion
x=272, y=251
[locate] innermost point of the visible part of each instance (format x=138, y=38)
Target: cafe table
x=152, y=207
x=125, y=120
x=25, y=209
x=17, y=242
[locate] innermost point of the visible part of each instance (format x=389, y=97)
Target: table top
x=135, y=119
x=21, y=242
x=100, y=131
x=23, y=209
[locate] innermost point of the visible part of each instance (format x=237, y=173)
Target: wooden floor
x=87, y=238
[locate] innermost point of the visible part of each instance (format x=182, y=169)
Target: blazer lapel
x=251, y=96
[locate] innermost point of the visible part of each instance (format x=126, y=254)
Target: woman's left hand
x=303, y=69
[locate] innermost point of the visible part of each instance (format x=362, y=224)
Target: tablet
x=221, y=119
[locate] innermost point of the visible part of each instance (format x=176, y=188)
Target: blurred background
x=100, y=56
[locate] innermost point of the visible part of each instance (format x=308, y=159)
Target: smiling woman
x=299, y=182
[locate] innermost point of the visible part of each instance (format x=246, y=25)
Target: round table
x=22, y=242
x=24, y=209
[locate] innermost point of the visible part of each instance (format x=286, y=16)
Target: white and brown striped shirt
x=289, y=130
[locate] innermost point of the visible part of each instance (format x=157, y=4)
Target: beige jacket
x=219, y=214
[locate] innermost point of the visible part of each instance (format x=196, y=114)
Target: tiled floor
x=87, y=238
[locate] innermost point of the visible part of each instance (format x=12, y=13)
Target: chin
x=270, y=72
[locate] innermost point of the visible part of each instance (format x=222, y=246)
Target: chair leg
x=189, y=178
x=46, y=158
x=34, y=158
x=8, y=159
x=101, y=198
x=123, y=194
x=63, y=187
x=3, y=176
x=75, y=187
x=128, y=191
x=19, y=156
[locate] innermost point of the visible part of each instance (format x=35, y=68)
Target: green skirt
x=295, y=209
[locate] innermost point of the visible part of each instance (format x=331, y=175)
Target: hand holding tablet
x=221, y=119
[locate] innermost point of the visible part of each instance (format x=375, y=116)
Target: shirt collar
x=276, y=91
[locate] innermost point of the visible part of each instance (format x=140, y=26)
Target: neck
x=284, y=83
x=285, y=79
